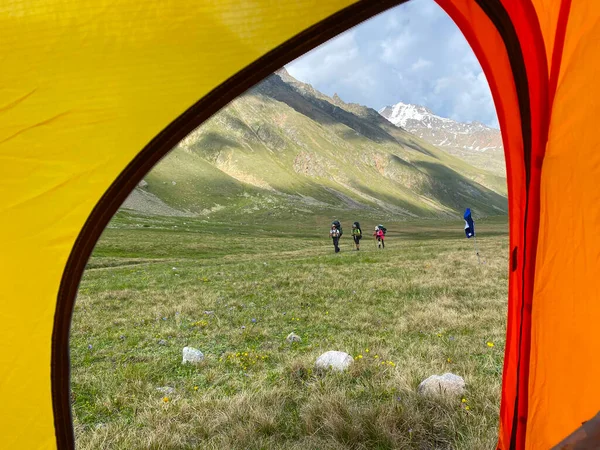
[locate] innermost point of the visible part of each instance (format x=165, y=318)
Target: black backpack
x=382, y=228
x=357, y=225
x=338, y=225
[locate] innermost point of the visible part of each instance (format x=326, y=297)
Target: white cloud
x=362, y=79
x=420, y=64
x=322, y=65
x=394, y=49
x=391, y=23
x=412, y=53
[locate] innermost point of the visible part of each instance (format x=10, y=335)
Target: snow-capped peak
x=400, y=113
x=460, y=139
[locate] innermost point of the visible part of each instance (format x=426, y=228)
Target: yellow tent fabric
x=84, y=86
x=94, y=92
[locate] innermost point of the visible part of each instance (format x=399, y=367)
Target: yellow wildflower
x=195, y=388
x=490, y=344
x=166, y=399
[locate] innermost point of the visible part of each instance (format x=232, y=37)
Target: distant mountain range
x=476, y=143
x=285, y=150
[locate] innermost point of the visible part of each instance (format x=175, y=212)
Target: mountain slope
x=475, y=143
x=285, y=149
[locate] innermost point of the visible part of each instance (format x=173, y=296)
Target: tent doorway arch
x=90, y=77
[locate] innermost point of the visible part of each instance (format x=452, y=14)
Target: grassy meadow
x=420, y=307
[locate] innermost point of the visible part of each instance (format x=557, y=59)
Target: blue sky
x=413, y=53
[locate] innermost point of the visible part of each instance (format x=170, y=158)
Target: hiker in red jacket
x=380, y=236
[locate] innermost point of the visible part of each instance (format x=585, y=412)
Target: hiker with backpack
x=380, y=235
x=335, y=233
x=356, y=234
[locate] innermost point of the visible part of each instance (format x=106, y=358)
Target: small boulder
x=143, y=184
x=293, y=337
x=192, y=355
x=162, y=342
x=338, y=361
x=447, y=384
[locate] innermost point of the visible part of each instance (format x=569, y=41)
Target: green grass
x=422, y=306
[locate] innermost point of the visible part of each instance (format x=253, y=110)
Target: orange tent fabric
x=564, y=364
x=93, y=93
x=550, y=369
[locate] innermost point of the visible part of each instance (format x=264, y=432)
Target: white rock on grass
x=447, y=384
x=293, y=337
x=166, y=390
x=334, y=360
x=192, y=355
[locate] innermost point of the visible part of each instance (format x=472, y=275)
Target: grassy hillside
x=285, y=149
x=422, y=306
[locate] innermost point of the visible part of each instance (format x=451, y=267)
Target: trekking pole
x=477, y=249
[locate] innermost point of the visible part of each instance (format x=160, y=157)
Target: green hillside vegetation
x=284, y=149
